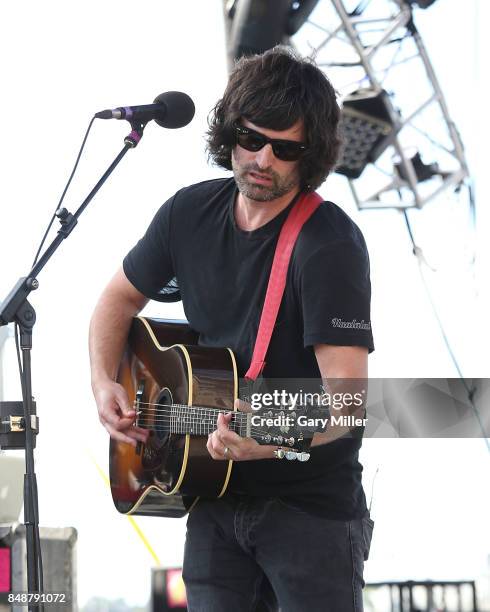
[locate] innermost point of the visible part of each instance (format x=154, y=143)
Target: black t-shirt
x=193, y=250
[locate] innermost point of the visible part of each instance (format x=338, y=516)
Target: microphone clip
x=136, y=134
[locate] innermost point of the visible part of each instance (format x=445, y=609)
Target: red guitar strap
x=298, y=215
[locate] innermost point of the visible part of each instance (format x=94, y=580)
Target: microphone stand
x=17, y=309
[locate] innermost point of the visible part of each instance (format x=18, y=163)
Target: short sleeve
x=336, y=296
x=148, y=266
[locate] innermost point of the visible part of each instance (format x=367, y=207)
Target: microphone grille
x=179, y=109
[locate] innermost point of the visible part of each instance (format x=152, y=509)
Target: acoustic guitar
x=178, y=388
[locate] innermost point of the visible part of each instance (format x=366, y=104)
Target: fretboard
x=201, y=421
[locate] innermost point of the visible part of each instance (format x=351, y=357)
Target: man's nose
x=265, y=156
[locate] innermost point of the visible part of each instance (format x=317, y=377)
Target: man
x=291, y=531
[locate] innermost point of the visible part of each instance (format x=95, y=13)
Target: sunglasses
x=287, y=150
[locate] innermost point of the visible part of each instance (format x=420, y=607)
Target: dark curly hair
x=274, y=90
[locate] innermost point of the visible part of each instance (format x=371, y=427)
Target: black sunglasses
x=287, y=150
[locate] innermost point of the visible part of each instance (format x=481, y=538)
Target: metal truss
x=375, y=44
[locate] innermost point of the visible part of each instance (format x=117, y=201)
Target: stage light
x=367, y=130
x=423, y=4
x=299, y=12
x=257, y=26
x=423, y=171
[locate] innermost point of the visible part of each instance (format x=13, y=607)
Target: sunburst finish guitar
x=178, y=389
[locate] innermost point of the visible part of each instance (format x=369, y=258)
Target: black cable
x=64, y=192
x=471, y=193
x=470, y=392
x=19, y=363
x=33, y=496
x=39, y=554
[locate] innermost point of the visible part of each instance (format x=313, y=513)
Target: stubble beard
x=279, y=186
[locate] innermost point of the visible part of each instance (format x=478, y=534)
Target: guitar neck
x=194, y=420
x=202, y=421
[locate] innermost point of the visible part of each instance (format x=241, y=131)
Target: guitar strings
x=236, y=425
x=189, y=417
x=209, y=410
x=198, y=424
x=151, y=404
x=196, y=421
x=190, y=411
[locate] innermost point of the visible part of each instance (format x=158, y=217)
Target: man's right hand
x=116, y=413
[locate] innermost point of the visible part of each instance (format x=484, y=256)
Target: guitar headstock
x=289, y=427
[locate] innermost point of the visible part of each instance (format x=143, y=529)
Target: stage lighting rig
x=394, y=111
x=367, y=130
x=253, y=26
x=392, y=102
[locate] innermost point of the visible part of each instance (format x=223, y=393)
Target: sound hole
x=162, y=417
x=156, y=449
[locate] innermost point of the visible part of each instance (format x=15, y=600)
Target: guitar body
x=163, y=366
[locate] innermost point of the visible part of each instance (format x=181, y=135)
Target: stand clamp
x=13, y=425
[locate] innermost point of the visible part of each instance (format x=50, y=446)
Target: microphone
x=172, y=109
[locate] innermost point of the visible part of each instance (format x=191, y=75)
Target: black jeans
x=255, y=554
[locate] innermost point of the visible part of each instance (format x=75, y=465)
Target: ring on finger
x=225, y=452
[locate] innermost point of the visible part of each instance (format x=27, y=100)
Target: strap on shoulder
x=297, y=217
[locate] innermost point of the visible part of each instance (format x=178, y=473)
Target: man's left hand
x=238, y=448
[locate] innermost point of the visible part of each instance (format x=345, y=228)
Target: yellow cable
x=135, y=525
